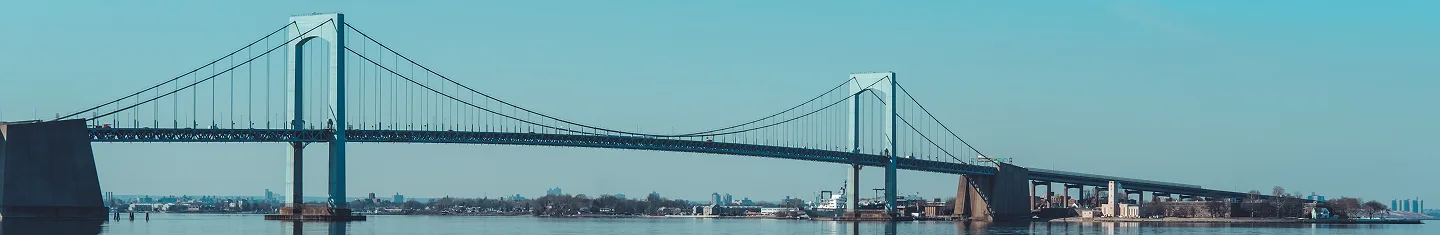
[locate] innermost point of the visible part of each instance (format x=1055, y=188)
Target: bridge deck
x=619, y=142
x=537, y=139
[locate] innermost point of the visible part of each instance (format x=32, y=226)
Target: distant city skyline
x=1232, y=95
x=401, y=198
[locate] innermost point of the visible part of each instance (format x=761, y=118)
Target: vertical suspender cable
x=232, y=93
x=250, y=89
x=268, y=72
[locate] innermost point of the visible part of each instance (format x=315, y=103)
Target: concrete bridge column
x=295, y=176
x=1098, y=191
x=1033, y=185
x=1043, y=198
x=1067, y=194
x=1050, y=195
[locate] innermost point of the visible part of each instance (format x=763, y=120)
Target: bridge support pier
x=295, y=176
x=890, y=192
x=337, y=175
x=1098, y=191
x=1050, y=195
x=994, y=197
x=1067, y=194
x=47, y=171
x=1033, y=185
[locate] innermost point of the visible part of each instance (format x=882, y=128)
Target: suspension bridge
x=319, y=79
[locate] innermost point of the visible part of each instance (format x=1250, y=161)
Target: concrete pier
x=47, y=171
x=994, y=197
x=315, y=213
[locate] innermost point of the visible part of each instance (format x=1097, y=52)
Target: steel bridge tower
x=883, y=83
x=328, y=27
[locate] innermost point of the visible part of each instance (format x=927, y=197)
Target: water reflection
x=333, y=228
x=62, y=227
x=889, y=227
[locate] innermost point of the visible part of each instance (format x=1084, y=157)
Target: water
x=253, y=224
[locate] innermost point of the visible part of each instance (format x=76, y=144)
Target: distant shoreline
x=1239, y=220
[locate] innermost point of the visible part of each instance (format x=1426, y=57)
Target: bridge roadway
x=101, y=134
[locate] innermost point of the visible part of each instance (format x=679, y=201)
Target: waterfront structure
x=995, y=189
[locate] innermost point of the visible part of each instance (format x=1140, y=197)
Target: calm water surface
x=253, y=224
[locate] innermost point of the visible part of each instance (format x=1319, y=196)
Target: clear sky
x=1336, y=97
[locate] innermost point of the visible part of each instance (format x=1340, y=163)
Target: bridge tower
x=883, y=83
x=328, y=27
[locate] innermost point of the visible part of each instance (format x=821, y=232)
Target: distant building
x=269, y=196
x=728, y=198
x=715, y=199
x=621, y=196
x=554, y=191
x=516, y=197
x=399, y=198
x=1408, y=205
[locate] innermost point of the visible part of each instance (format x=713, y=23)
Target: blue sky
x=1315, y=96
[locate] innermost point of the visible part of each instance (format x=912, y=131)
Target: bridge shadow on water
x=330, y=228
x=57, y=227
x=93, y=227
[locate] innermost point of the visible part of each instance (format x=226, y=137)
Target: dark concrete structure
x=994, y=197
x=47, y=171
x=315, y=212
